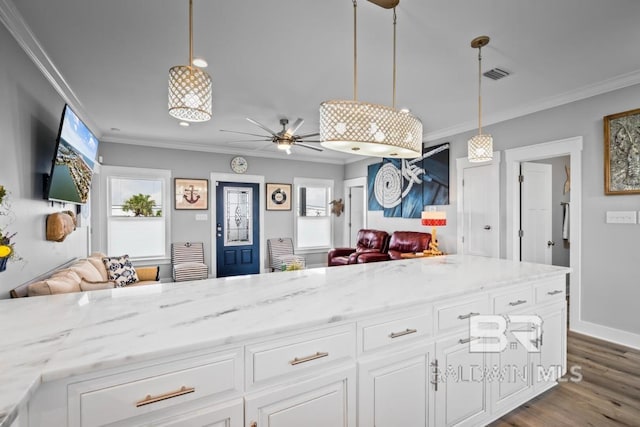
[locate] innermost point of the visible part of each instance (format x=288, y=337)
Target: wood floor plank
x=608, y=394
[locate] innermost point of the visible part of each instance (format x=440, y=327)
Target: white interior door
x=535, y=213
x=480, y=213
x=356, y=213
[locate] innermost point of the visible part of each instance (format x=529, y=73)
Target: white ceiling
x=273, y=59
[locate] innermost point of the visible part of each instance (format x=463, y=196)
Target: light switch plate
x=622, y=217
x=201, y=217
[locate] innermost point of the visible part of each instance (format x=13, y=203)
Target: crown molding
x=195, y=146
x=609, y=85
x=16, y=25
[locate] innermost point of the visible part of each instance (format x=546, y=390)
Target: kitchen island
x=267, y=349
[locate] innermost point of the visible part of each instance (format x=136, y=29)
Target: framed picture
x=622, y=153
x=278, y=197
x=191, y=194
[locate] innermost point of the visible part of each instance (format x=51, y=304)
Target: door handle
x=550, y=243
x=487, y=227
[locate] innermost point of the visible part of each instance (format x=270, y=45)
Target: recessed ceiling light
x=200, y=62
x=184, y=124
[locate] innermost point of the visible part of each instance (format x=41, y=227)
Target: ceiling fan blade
x=293, y=129
x=262, y=126
x=309, y=140
x=307, y=135
x=251, y=140
x=298, y=144
x=243, y=133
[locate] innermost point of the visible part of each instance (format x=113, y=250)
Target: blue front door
x=237, y=229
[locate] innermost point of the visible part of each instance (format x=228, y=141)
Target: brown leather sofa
x=400, y=242
x=369, y=241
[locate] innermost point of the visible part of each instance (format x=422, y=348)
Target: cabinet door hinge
x=520, y=233
x=520, y=178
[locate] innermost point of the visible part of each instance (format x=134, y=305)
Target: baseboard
x=606, y=333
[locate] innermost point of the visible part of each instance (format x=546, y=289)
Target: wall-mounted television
x=72, y=166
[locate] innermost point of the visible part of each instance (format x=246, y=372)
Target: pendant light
x=189, y=87
x=480, y=147
x=369, y=129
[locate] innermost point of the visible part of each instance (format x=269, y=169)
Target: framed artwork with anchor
x=191, y=194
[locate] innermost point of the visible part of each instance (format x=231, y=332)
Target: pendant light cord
x=394, y=58
x=355, y=51
x=480, y=90
x=190, y=33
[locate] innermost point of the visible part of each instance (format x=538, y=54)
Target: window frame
x=123, y=172
x=312, y=182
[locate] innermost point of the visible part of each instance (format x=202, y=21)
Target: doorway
x=571, y=147
x=237, y=229
x=478, y=211
x=216, y=209
x=355, y=209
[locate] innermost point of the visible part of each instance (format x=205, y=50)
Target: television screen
x=72, y=169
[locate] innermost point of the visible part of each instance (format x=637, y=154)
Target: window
x=137, y=212
x=314, y=224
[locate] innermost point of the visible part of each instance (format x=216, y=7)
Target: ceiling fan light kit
x=190, y=87
x=480, y=147
x=369, y=129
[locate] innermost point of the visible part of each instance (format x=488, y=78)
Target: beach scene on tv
x=73, y=165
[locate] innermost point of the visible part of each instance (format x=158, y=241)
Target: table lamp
x=434, y=219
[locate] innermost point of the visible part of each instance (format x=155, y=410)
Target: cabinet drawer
x=551, y=290
x=300, y=353
x=382, y=332
x=512, y=301
x=457, y=315
x=122, y=396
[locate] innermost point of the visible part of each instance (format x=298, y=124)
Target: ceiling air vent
x=496, y=73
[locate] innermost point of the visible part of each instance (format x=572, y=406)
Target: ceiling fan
x=285, y=139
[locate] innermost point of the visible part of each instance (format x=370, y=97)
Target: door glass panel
x=237, y=216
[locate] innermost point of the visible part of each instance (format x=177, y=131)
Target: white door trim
x=354, y=182
x=513, y=157
x=230, y=177
x=461, y=164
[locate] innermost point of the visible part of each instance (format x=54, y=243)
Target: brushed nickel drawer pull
x=400, y=334
x=464, y=340
x=520, y=301
x=466, y=316
x=554, y=292
x=153, y=399
x=318, y=355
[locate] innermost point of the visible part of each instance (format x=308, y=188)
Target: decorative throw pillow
x=120, y=270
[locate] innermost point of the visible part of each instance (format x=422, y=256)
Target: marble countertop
x=54, y=337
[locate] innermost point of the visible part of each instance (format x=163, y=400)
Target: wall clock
x=239, y=164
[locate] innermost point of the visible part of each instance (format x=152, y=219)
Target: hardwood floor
x=607, y=395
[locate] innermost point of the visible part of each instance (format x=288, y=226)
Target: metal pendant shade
x=190, y=87
x=369, y=129
x=480, y=147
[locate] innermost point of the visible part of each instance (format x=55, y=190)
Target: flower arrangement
x=7, y=248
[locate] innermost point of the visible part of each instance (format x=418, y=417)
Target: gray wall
x=610, y=255
x=30, y=113
x=191, y=164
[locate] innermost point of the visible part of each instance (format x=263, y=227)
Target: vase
x=3, y=263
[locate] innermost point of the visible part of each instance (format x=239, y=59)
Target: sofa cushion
x=97, y=263
x=68, y=274
x=120, y=270
x=86, y=271
x=95, y=286
x=148, y=274
x=53, y=286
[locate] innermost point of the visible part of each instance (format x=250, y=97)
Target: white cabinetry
x=395, y=390
x=461, y=396
x=229, y=414
x=551, y=364
x=322, y=401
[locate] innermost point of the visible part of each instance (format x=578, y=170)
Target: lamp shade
x=480, y=148
x=434, y=218
x=189, y=93
x=369, y=129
